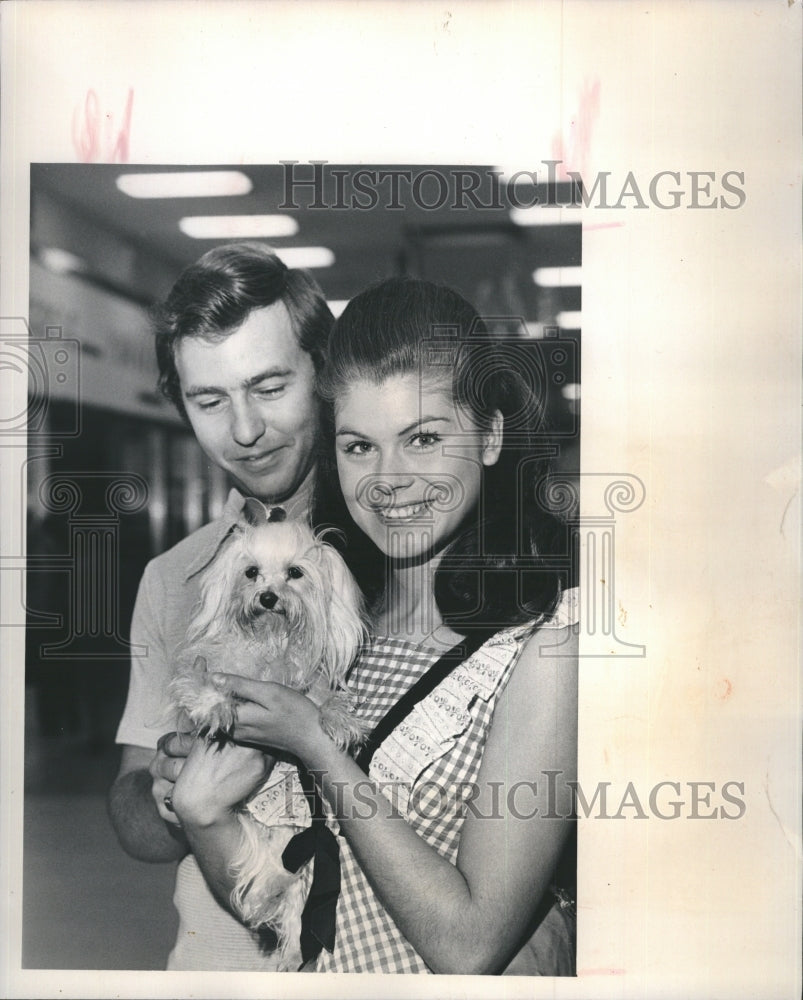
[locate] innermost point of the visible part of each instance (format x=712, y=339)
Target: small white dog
x=277, y=604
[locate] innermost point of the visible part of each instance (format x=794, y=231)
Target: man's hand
x=168, y=761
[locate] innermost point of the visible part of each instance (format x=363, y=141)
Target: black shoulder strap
x=318, y=843
x=422, y=687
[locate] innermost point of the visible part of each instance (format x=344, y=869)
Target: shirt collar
x=219, y=529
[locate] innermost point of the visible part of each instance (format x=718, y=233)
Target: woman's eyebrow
x=343, y=431
x=423, y=420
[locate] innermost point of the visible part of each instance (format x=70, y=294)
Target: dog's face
x=278, y=582
x=275, y=572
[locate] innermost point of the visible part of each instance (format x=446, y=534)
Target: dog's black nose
x=268, y=599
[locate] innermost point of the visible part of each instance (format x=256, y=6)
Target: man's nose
x=247, y=424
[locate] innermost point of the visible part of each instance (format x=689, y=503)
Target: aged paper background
x=691, y=381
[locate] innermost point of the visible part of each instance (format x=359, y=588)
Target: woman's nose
x=247, y=424
x=390, y=477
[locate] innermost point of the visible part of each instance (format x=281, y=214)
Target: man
x=238, y=343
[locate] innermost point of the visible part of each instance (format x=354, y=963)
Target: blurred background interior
x=115, y=478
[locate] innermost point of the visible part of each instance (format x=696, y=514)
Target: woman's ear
x=492, y=439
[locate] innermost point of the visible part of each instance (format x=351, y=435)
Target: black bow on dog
x=255, y=512
x=319, y=844
x=318, y=917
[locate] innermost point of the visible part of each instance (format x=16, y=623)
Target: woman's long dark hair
x=511, y=561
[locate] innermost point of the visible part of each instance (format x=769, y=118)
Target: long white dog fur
x=277, y=604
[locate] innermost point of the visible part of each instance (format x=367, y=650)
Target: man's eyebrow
x=216, y=390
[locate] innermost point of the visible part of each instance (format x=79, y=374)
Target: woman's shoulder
x=566, y=615
x=547, y=651
x=445, y=639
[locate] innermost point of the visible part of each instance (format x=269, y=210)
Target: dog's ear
x=346, y=629
x=254, y=512
x=210, y=616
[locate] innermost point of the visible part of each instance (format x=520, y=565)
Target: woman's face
x=410, y=462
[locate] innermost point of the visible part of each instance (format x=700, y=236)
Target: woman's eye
x=425, y=439
x=294, y=573
x=357, y=448
x=252, y=572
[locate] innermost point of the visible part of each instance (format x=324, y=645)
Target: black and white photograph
x=158, y=507
x=400, y=457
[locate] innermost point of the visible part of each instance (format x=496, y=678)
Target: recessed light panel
x=558, y=277
x=234, y=227
x=185, y=184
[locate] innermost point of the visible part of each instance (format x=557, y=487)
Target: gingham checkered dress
x=429, y=757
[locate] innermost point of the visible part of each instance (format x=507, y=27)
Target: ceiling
x=136, y=245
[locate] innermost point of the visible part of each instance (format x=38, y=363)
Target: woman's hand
x=215, y=779
x=271, y=715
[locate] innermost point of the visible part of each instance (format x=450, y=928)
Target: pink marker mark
x=573, y=152
x=724, y=689
x=92, y=131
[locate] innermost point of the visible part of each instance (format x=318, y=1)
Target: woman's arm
x=468, y=918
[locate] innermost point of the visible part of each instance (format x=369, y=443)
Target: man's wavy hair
x=510, y=562
x=214, y=296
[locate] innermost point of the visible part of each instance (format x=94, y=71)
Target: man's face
x=250, y=400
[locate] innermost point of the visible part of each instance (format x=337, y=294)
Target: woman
x=434, y=440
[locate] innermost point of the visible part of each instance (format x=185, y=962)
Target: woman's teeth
x=405, y=511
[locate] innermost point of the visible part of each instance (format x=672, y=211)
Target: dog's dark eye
x=294, y=573
x=252, y=572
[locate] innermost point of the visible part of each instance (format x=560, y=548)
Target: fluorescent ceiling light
x=305, y=256
x=232, y=227
x=61, y=261
x=337, y=306
x=569, y=320
x=557, y=277
x=543, y=215
x=185, y=184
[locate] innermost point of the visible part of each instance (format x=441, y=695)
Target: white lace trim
x=281, y=800
x=435, y=723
